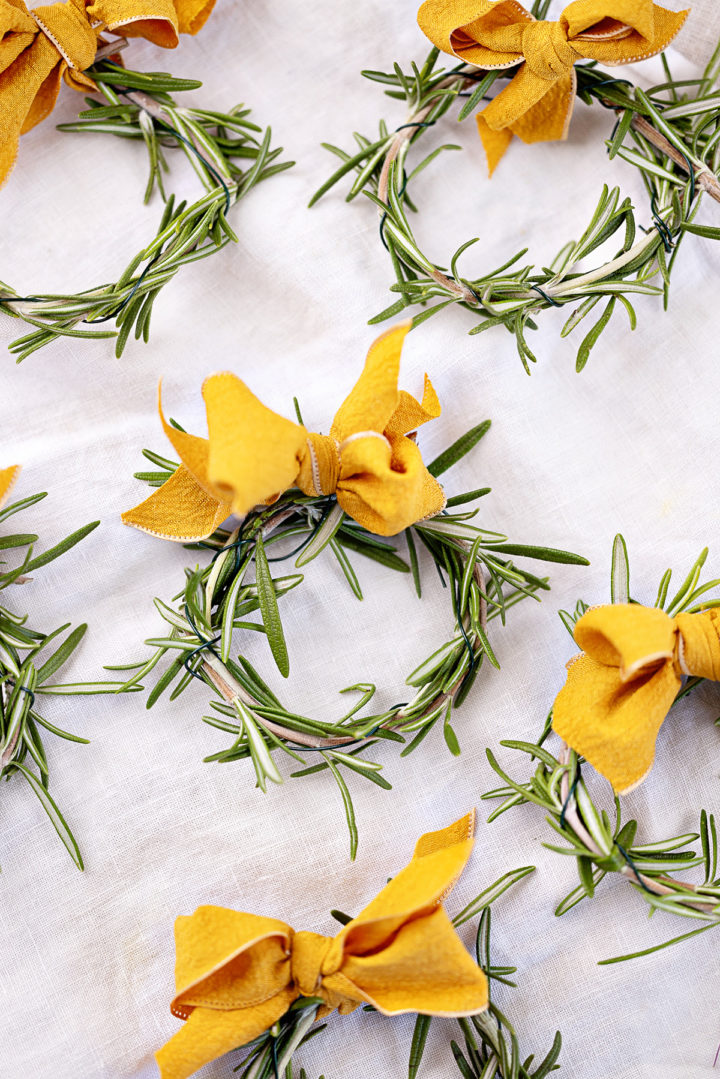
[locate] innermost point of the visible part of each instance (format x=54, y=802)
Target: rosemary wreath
x=475, y=565
x=230, y=155
x=670, y=133
x=488, y=1048
x=26, y=668
x=604, y=844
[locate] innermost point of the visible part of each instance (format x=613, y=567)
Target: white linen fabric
x=86, y=959
x=699, y=36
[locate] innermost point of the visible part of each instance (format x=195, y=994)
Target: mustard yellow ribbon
x=40, y=46
x=7, y=481
x=538, y=102
x=252, y=455
x=621, y=689
x=236, y=974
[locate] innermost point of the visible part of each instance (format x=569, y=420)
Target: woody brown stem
x=704, y=178
x=109, y=48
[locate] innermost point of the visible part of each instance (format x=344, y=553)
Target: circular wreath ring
x=670, y=133
x=603, y=846
x=476, y=566
x=229, y=154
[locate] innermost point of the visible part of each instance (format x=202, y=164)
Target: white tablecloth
x=86, y=960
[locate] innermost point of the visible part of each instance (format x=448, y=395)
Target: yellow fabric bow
x=538, y=102
x=236, y=974
x=253, y=455
x=7, y=481
x=40, y=46
x=619, y=692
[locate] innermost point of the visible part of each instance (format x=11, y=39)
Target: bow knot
x=547, y=51
x=320, y=465
x=237, y=974
x=68, y=29
x=307, y=962
x=537, y=102
x=620, y=689
x=369, y=459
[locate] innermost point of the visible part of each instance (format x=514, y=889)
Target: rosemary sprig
x=230, y=155
x=604, y=844
x=489, y=1049
x=475, y=565
x=27, y=666
x=671, y=133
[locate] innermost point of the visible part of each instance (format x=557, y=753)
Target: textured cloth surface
x=237, y=973
x=86, y=959
x=701, y=32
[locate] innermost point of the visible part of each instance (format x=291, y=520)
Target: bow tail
x=8, y=476
x=209, y=1033
x=374, y=398
x=614, y=724
x=530, y=107
x=180, y=510
x=418, y=889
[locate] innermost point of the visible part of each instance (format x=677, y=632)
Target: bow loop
x=547, y=51
x=627, y=636
x=537, y=103
x=237, y=974
x=619, y=691
x=253, y=455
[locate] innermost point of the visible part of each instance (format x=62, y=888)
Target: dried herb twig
x=602, y=844
x=476, y=566
x=670, y=133
x=230, y=155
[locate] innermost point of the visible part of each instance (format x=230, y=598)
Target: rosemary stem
x=651, y=883
x=110, y=48
x=607, y=270
x=406, y=132
x=703, y=175
x=571, y=813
